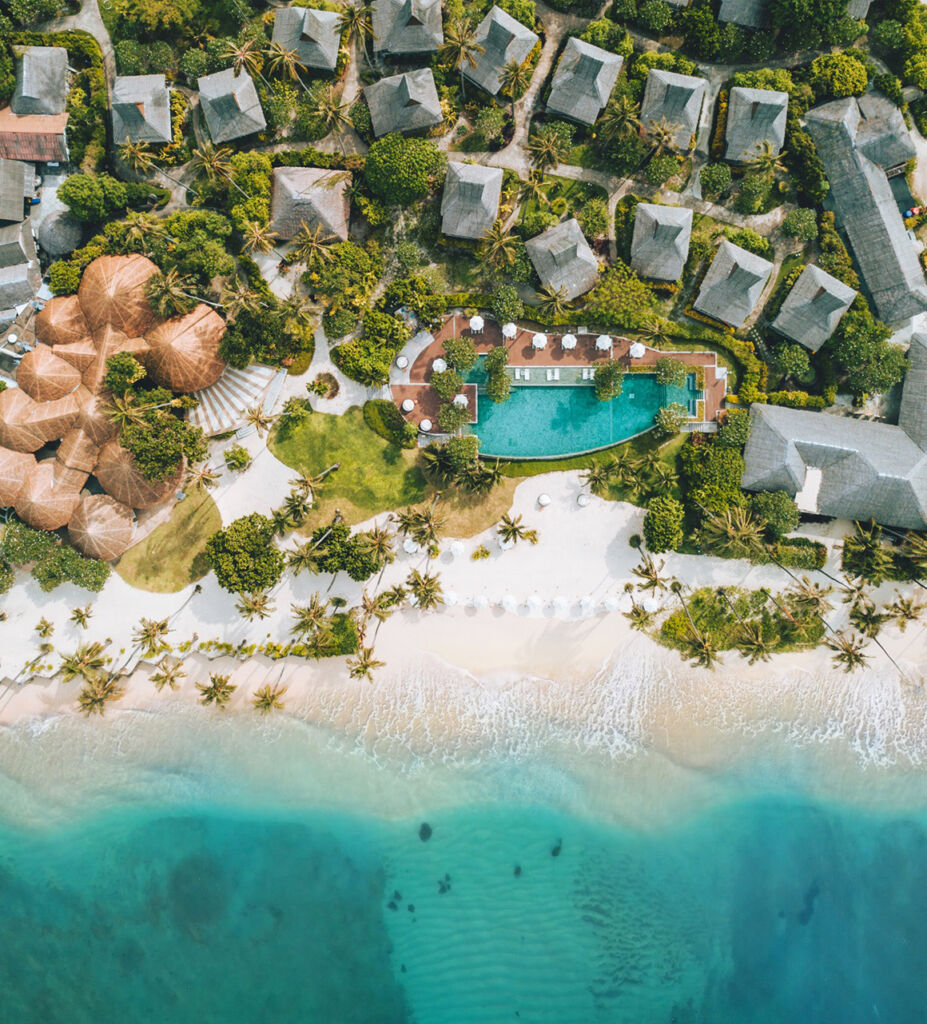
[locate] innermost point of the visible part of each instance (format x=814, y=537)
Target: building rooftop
x=660, y=242
x=230, y=105
x=733, y=285
x=13, y=178
x=35, y=138
x=813, y=308
x=754, y=117
x=563, y=259
x=583, y=81
x=470, y=203
x=404, y=103
x=41, y=80
x=407, y=26
x=141, y=109
x=504, y=41
x=676, y=99
x=311, y=196
x=315, y=35
x=748, y=13
x=20, y=277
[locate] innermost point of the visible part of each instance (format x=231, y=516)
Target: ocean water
x=191, y=868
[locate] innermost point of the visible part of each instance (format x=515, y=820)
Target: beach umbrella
x=560, y=604
x=568, y=341
x=534, y=603
x=587, y=604
x=544, y=500
x=539, y=341
x=425, y=426
x=460, y=400
x=410, y=546
x=582, y=500
x=476, y=324
x=439, y=365
x=509, y=330
x=480, y=601
x=457, y=549
x=451, y=598
x=611, y=603
x=651, y=604
x=509, y=602
x=603, y=343
x=637, y=350
x=407, y=405
x=402, y=362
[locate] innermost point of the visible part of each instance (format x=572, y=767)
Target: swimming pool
x=547, y=421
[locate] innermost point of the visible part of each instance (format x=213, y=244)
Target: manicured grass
x=171, y=556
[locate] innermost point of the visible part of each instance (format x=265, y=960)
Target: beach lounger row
x=553, y=373
x=522, y=373
x=588, y=373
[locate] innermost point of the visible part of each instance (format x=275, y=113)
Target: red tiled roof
x=38, y=137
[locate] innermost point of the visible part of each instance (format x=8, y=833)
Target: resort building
x=660, y=242
x=583, y=81
x=407, y=26
x=755, y=117
x=858, y=144
x=675, y=100
x=404, y=103
x=310, y=197
x=41, y=81
x=746, y=13
x=20, y=277
x=314, y=35
x=17, y=180
x=141, y=109
x=563, y=260
x=847, y=468
x=470, y=203
x=733, y=285
x=813, y=308
x=230, y=105
x=504, y=41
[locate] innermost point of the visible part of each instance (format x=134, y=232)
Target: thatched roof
x=407, y=26
x=749, y=13
x=676, y=99
x=141, y=109
x=77, y=450
x=913, y=415
x=12, y=189
x=93, y=420
x=17, y=431
x=112, y=291
x=311, y=196
x=733, y=284
x=49, y=495
x=20, y=278
x=404, y=103
x=45, y=376
x=61, y=321
x=119, y=476
x=230, y=105
x=52, y=420
x=563, y=259
x=14, y=467
x=315, y=35
x=504, y=41
x=882, y=134
x=41, y=80
x=813, y=308
x=184, y=351
x=660, y=242
x=101, y=527
x=754, y=117
x=583, y=81
x=470, y=203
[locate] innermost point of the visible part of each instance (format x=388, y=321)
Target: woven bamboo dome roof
x=14, y=466
x=45, y=376
x=184, y=351
x=101, y=526
x=61, y=321
x=80, y=354
x=16, y=429
x=112, y=291
x=119, y=476
x=77, y=450
x=49, y=495
x=92, y=418
x=52, y=420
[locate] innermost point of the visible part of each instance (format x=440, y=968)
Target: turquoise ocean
x=182, y=868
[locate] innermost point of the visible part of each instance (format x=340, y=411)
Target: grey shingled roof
x=913, y=415
x=583, y=81
x=12, y=189
x=867, y=211
x=749, y=13
x=813, y=308
x=882, y=134
x=312, y=196
x=231, y=106
x=754, y=116
x=563, y=259
x=141, y=109
x=470, y=203
x=407, y=26
x=660, y=243
x=677, y=99
x=314, y=35
x=19, y=267
x=504, y=40
x=858, y=9
x=41, y=81
x=404, y=103
x=733, y=284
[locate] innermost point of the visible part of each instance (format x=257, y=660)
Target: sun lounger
x=527, y=374
x=517, y=373
x=550, y=373
x=556, y=373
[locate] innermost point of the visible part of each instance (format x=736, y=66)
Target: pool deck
x=522, y=353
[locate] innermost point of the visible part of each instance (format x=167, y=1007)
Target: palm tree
x=217, y=691
x=649, y=573
x=363, y=665
x=44, y=628
x=260, y=420
x=625, y=468
x=808, y=599
x=865, y=555
x=169, y=293
x=257, y=605
x=620, y=119
x=498, y=247
x=597, y=478
x=849, y=651
x=203, y=476
x=701, y=647
x=656, y=331
x=297, y=506
x=169, y=674
x=325, y=105
x=257, y=237
x=245, y=54
x=140, y=157
x=547, y=149
x=312, y=245
x=380, y=543
x=460, y=48
x=97, y=693
x=284, y=62
x=81, y=616
x=310, y=618
x=534, y=187
x=426, y=589
x=87, y=661
x=319, y=644
x=752, y=644
x=373, y=606
x=663, y=136
x=766, y=161
x=211, y=162
x=512, y=530
x=514, y=80
x=428, y=525
x=553, y=302
x=639, y=617
x=905, y=610
x=305, y=557
x=854, y=591
x=299, y=312
x=914, y=550
x=735, y=533
x=868, y=619
x=149, y=636
x=357, y=21
x=238, y=297
x=142, y=229
x=269, y=698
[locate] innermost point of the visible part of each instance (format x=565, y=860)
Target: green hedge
x=385, y=419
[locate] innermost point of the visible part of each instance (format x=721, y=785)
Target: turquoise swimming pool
x=550, y=420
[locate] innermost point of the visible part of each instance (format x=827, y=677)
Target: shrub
x=607, y=34
x=735, y=430
x=753, y=242
x=409, y=256
x=385, y=419
x=622, y=10
x=655, y=15
x=869, y=361
x=663, y=525
x=506, y=305
x=447, y=383
x=237, y=458
x=790, y=361
x=131, y=57
x=460, y=353
x=338, y=324
x=367, y=359
x=593, y=217
x=498, y=383
x=452, y=417
x=400, y=171
x=609, y=380
x=889, y=34
x=243, y=555
x=800, y=224
x=837, y=74
x=805, y=166
x=715, y=178
x=754, y=193
x=92, y=197
x=778, y=511
x=490, y=123
x=620, y=299
x=194, y=65
x=671, y=372
x=669, y=419
x=660, y=168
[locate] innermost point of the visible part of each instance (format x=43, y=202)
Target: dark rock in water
x=402, y=968
x=447, y=878
x=411, y=908
x=444, y=885
x=807, y=910
x=392, y=905
x=517, y=871
x=555, y=852
x=397, y=895
x=424, y=832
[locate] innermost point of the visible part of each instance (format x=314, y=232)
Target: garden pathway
x=88, y=19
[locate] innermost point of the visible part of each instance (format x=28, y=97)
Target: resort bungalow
x=470, y=203
x=746, y=13
x=754, y=117
x=19, y=267
x=583, y=81
x=230, y=105
x=847, y=468
x=675, y=99
x=32, y=127
x=563, y=260
x=141, y=109
x=504, y=41
x=17, y=180
x=660, y=242
x=404, y=103
x=852, y=146
x=813, y=308
x=310, y=196
x=733, y=284
x=402, y=27
x=314, y=35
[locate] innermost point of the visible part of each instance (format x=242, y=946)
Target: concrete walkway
x=88, y=19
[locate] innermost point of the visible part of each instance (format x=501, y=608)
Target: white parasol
x=407, y=405
x=509, y=330
x=539, y=341
x=568, y=341
x=603, y=343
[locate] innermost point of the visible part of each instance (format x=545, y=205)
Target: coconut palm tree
x=214, y=163
x=426, y=589
x=309, y=618
x=149, y=636
x=700, y=646
x=297, y=506
x=460, y=48
x=547, y=149
x=865, y=555
x=257, y=237
x=735, y=533
x=854, y=591
x=325, y=105
x=357, y=22
x=625, y=467
x=533, y=188
x=662, y=135
x=81, y=616
x=514, y=80
x=867, y=618
x=260, y=420
x=217, y=691
x=807, y=598
x=203, y=475
x=169, y=293
x=299, y=311
x=620, y=119
x=766, y=161
x=849, y=651
x=429, y=524
x=256, y=605
x=639, y=617
x=87, y=661
x=238, y=297
x=405, y=520
x=305, y=557
x=140, y=157
x=312, y=246
x=364, y=664
x=752, y=644
x=597, y=478
x=656, y=331
x=373, y=606
x=269, y=698
x=914, y=550
x=97, y=693
x=904, y=610
x=245, y=55
x=142, y=229
x=380, y=542
x=284, y=62
x=511, y=530
x=552, y=302
x=649, y=573
x=169, y=674
x=498, y=247
x=44, y=628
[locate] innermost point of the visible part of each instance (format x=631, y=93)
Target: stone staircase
x=222, y=406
